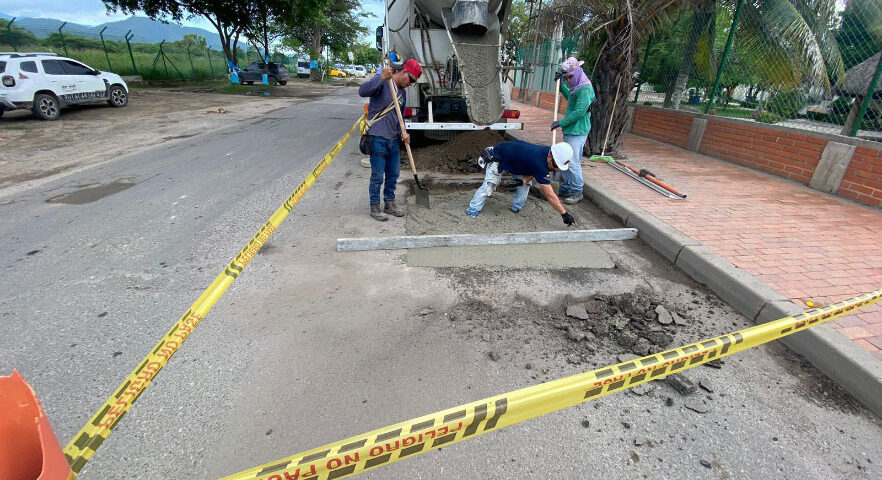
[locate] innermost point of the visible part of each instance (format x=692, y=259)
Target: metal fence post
x=63, y=44
x=208, y=54
x=642, y=72
x=162, y=54
x=129, y=36
x=106, y=55
x=11, y=38
x=871, y=90
x=710, y=101
x=190, y=57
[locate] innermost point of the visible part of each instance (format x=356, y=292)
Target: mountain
x=144, y=29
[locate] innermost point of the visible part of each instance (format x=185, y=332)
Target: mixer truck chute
x=458, y=43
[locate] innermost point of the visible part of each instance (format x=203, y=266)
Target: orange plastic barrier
x=28, y=447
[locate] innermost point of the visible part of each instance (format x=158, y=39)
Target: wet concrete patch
x=92, y=194
x=447, y=216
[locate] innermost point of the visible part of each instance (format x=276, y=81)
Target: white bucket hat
x=569, y=64
x=562, y=153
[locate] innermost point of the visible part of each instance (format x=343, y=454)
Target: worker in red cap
x=385, y=131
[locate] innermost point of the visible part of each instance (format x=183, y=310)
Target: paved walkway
x=809, y=246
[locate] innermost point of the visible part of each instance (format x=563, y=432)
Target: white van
x=302, y=67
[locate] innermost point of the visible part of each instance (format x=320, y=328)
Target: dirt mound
x=457, y=155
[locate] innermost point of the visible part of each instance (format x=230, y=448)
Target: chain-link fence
x=191, y=58
x=811, y=65
x=543, y=62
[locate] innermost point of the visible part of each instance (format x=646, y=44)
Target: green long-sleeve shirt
x=577, y=118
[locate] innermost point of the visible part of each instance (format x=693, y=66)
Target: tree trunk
x=315, y=74
x=612, y=85
x=702, y=17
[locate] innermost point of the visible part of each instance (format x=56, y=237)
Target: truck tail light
x=513, y=114
x=409, y=112
x=8, y=81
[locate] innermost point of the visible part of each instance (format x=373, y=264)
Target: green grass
x=13, y=127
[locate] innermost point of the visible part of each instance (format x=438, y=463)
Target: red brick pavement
x=809, y=246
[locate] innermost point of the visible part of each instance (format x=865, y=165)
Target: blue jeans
x=492, y=179
x=385, y=160
x=572, y=182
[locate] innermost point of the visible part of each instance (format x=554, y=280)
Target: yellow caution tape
x=90, y=437
x=420, y=435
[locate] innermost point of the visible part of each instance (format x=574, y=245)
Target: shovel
x=422, y=193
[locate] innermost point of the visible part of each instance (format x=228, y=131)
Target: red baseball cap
x=413, y=67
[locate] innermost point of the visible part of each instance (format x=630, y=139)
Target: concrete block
x=629, y=118
x=845, y=362
x=738, y=288
x=696, y=133
x=830, y=170
x=609, y=203
x=665, y=239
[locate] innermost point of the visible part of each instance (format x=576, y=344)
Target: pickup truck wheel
x=272, y=80
x=118, y=97
x=283, y=82
x=46, y=107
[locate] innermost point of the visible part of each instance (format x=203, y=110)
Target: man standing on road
x=385, y=133
x=526, y=162
x=575, y=124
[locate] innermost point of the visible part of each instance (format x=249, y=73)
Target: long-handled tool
x=422, y=193
x=603, y=157
x=556, y=106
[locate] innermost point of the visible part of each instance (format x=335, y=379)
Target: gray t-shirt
x=381, y=97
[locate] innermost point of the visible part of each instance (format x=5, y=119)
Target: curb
x=837, y=357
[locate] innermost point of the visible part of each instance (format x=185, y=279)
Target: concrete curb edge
x=846, y=363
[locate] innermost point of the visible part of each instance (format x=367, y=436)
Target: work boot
x=573, y=199
x=393, y=209
x=377, y=213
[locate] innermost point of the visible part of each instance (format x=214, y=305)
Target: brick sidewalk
x=809, y=246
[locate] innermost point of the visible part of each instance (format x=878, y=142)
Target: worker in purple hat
x=575, y=125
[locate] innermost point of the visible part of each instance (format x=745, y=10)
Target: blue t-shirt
x=523, y=158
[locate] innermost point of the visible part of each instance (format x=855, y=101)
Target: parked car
x=350, y=70
x=46, y=82
x=303, y=68
x=277, y=74
x=336, y=72
x=360, y=71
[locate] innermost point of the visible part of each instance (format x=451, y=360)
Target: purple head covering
x=573, y=67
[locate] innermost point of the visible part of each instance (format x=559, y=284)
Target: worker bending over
x=527, y=163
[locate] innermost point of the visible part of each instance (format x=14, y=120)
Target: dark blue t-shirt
x=523, y=158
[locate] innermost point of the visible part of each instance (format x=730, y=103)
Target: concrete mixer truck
x=458, y=44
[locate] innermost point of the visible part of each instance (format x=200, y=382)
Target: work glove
x=558, y=75
x=568, y=218
x=555, y=124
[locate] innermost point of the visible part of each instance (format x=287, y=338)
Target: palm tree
x=792, y=40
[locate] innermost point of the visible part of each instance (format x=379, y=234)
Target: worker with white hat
x=576, y=124
x=527, y=163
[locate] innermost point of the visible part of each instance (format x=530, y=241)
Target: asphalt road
x=311, y=346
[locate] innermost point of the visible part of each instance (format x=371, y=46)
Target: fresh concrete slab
x=541, y=256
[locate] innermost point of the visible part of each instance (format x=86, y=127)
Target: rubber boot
x=393, y=209
x=378, y=214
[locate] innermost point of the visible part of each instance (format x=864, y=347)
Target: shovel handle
x=401, y=123
x=556, y=107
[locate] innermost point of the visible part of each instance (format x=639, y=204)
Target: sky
x=93, y=12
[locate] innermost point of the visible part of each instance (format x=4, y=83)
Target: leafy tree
x=514, y=30
x=860, y=32
x=335, y=24
x=365, y=54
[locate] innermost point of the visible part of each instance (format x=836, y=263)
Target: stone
x=600, y=328
x=706, y=385
x=696, y=407
x=678, y=319
x=577, y=311
x=639, y=441
x=494, y=355
x=661, y=339
x=643, y=389
x=528, y=366
x=664, y=317
x=641, y=347
x=718, y=364
x=626, y=339
x=485, y=337
x=595, y=307
x=619, y=322
x=627, y=357
x=574, y=359
x=425, y=312
x=681, y=384
x=586, y=423
x=626, y=425
x=705, y=463
x=575, y=335
x=669, y=402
